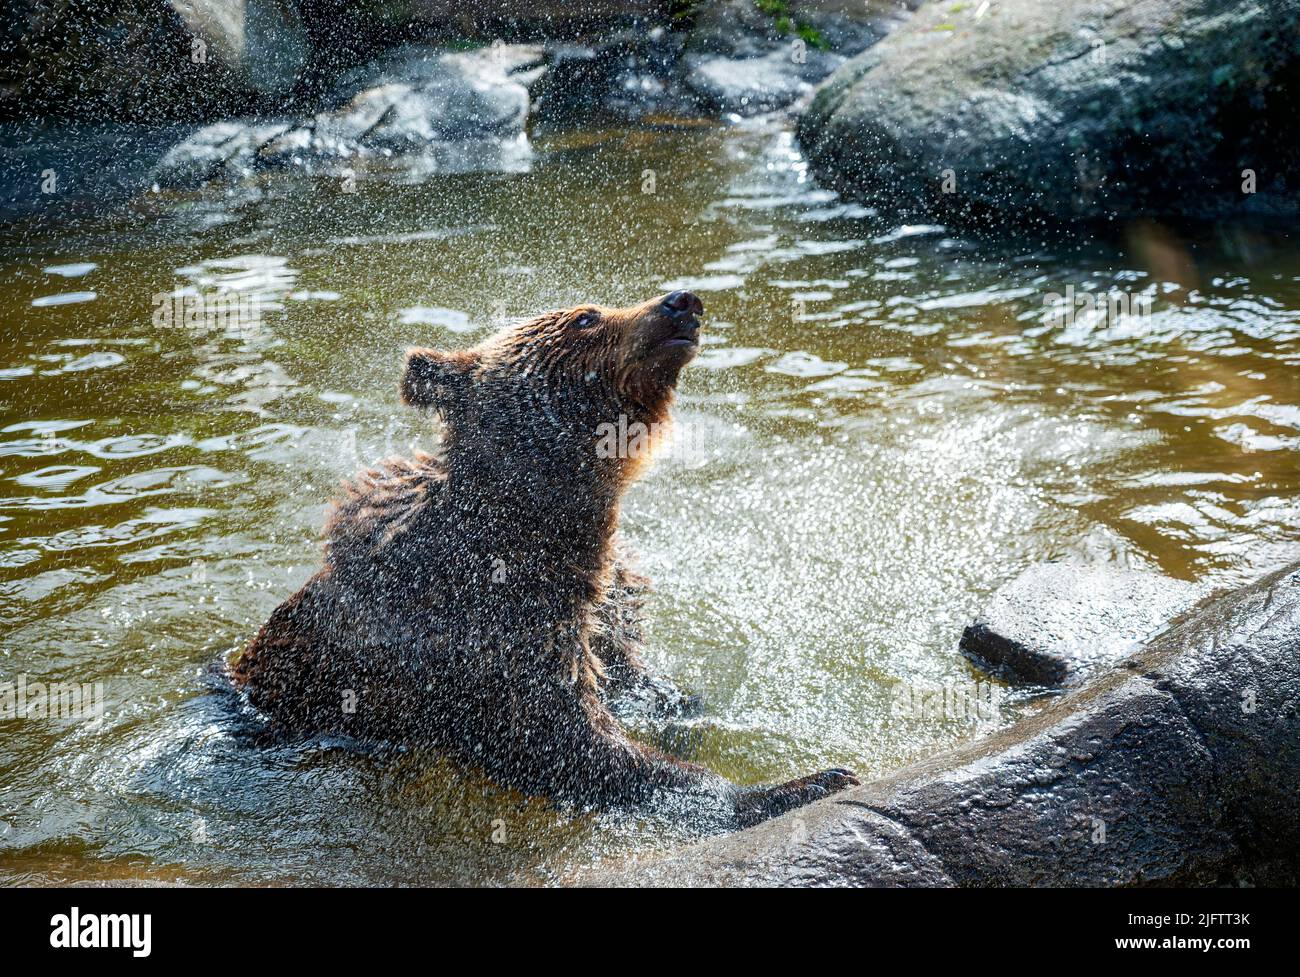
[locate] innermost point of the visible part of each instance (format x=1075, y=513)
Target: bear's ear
x=436, y=379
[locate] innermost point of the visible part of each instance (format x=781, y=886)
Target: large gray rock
x=416, y=109
x=1234, y=671
x=1057, y=623
x=1178, y=769
x=1075, y=108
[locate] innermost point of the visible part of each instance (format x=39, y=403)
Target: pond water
x=886, y=422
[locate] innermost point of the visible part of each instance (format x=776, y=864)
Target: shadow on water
x=886, y=421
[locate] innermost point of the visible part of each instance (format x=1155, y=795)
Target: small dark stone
x=1057, y=623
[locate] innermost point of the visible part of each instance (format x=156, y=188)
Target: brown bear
x=478, y=600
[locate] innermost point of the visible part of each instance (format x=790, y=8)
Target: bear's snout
x=682, y=303
x=677, y=323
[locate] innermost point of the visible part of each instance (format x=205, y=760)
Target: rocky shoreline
x=1079, y=110
x=273, y=84
x=988, y=114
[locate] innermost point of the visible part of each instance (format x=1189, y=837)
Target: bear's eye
x=586, y=319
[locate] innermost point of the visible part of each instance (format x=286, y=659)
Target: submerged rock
x=1057, y=623
x=417, y=109
x=1179, y=769
x=1077, y=108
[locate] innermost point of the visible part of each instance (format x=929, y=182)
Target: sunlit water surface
x=885, y=424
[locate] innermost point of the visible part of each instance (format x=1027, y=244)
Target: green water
x=884, y=424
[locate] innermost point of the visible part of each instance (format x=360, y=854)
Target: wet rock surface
x=735, y=59
x=748, y=86
x=423, y=108
x=1234, y=671
x=223, y=150
x=1079, y=108
x=625, y=77
x=743, y=60
x=263, y=43
x=141, y=61
x=417, y=108
x=1057, y=623
x=1179, y=769
x=269, y=84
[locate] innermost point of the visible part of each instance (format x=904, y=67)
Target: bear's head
x=554, y=381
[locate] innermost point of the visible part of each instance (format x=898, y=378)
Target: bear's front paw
x=828, y=781
x=760, y=803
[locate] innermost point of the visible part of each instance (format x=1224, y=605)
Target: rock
x=621, y=78
x=261, y=43
x=1234, y=670
x=421, y=93
x=742, y=29
x=1057, y=623
x=748, y=86
x=1179, y=769
x=138, y=61
x=223, y=150
x=1075, y=109
x=227, y=58
x=743, y=60
x=820, y=846
x=734, y=59
x=416, y=109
